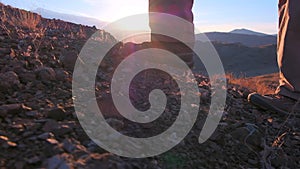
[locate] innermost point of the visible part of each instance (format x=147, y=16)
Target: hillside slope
x=39, y=127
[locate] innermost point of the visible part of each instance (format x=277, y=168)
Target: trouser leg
x=179, y=8
x=288, y=49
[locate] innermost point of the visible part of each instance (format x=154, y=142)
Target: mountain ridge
x=243, y=36
x=89, y=21
x=248, y=32
x=250, y=40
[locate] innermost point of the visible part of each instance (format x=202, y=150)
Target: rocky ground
x=39, y=128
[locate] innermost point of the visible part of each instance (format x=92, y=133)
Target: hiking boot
x=275, y=103
x=179, y=49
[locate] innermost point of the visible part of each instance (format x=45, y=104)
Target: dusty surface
x=39, y=128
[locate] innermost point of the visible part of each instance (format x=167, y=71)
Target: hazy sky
x=210, y=15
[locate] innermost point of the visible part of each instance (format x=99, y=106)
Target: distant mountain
x=247, y=32
x=70, y=18
x=242, y=36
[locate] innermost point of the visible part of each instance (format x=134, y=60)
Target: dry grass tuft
x=265, y=84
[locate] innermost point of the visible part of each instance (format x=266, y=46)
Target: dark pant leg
x=180, y=8
x=288, y=49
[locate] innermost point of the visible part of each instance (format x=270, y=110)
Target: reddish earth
x=39, y=127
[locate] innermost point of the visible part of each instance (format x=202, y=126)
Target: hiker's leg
x=283, y=102
x=179, y=8
x=288, y=48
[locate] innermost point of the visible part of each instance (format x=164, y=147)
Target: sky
x=209, y=15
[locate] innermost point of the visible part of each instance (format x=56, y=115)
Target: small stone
x=50, y=125
x=54, y=162
x=26, y=77
x=65, y=165
x=33, y=160
x=56, y=114
x=9, y=144
x=17, y=126
x=50, y=150
x=52, y=141
x=32, y=114
x=61, y=75
x=46, y=74
x=3, y=139
x=62, y=130
x=5, y=143
x=68, y=59
x=27, y=133
x=253, y=162
x=36, y=63
x=19, y=165
x=9, y=81
x=45, y=136
x=68, y=145
x=33, y=138
x=12, y=109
